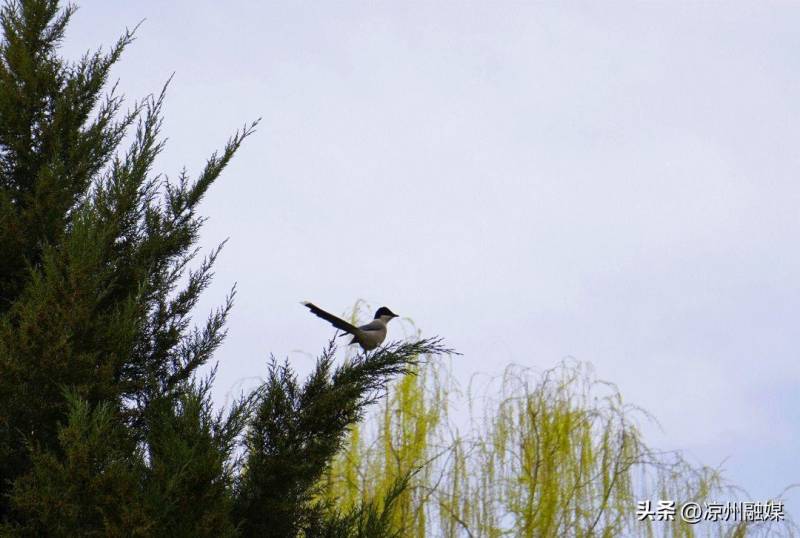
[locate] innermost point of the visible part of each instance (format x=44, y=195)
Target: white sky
x=615, y=182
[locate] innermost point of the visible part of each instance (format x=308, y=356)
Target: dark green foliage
x=297, y=430
x=49, y=153
x=93, y=247
x=371, y=520
x=105, y=428
x=91, y=489
x=51, y=150
x=191, y=465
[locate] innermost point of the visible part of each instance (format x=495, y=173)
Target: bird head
x=385, y=314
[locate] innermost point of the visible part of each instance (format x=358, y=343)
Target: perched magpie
x=368, y=336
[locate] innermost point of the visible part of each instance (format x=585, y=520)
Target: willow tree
x=106, y=429
x=527, y=453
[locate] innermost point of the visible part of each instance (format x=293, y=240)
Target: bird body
x=368, y=336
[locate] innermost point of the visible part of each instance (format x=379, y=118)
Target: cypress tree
x=105, y=427
x=296, y=430
x=97, y=350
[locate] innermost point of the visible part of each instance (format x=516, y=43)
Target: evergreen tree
x=105, y=428
x=94, y=245
x=297, y=430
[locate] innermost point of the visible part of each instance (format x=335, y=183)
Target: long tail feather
x=337, y=322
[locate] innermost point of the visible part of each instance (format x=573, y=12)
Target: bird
x=368, y=336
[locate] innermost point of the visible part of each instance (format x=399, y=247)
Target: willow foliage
x=528, y=453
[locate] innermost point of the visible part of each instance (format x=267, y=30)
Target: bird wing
x=374, y=325
x=372, y=334
x=337, y=322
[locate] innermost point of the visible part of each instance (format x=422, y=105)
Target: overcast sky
x=615, y=182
